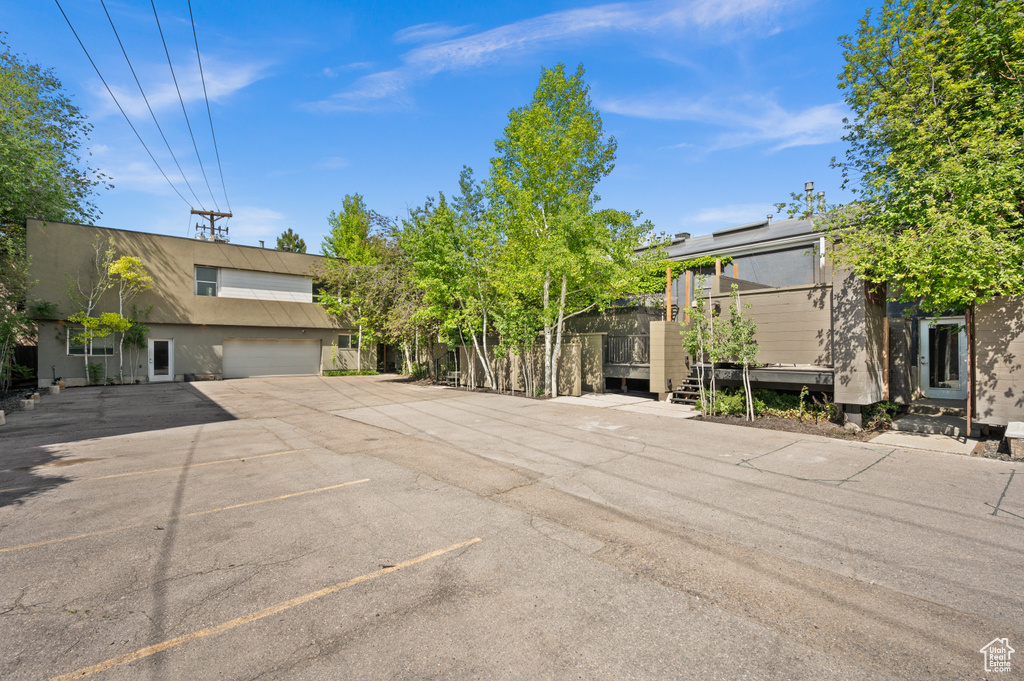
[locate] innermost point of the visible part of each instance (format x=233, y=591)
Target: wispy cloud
x=733, y=214
x=538, y=33
x=424, y=33
x=222, y=80
x=748, y=119
x=333, y=163
x=256, y=222
x=335, y=71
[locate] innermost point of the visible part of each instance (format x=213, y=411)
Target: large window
x=206, y=281
x=345, y=342
x=95, y=346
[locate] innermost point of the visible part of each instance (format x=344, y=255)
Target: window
x=206, y=281
x=96, y=346
x=345, y=342
x=75, y=346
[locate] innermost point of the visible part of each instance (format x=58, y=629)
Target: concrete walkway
x=629, y=403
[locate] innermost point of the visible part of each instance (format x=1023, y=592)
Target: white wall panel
x=265, y=286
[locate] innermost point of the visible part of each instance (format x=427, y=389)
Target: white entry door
x=944, y=358
x=161, y=359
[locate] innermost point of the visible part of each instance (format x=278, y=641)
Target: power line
x=146, y=99
x=208, y=113
x=181, y=99
x=128, y=120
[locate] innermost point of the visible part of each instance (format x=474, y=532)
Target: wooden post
x=668, y=293
x=885, y=360
x=968, y=323
x=689, y=297
x=718, y=266
x=735, y=270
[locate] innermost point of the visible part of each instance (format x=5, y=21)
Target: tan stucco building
x=216, y=310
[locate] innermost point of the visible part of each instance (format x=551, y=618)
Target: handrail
x=630, y=350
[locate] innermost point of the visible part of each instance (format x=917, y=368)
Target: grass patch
x=364, y=372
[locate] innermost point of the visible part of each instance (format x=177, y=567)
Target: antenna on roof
x=216, y=233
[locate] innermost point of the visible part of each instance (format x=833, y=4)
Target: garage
x=246, y=357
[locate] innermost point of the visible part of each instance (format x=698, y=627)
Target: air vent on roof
x=680, y=237
x=742, y=228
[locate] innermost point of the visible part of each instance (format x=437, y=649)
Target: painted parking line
x=161, y=470
x=187, y=515
x=252, y=617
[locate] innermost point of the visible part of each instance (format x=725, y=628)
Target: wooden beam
x=689, y=297
x=718, y=266
x=968, y=324
x=735, y=270
x=885, y=360
x=668, y=293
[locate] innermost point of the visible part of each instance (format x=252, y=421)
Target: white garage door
x=244, y=357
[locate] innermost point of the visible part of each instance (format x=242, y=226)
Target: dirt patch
x=823, y=428
x=993, y=447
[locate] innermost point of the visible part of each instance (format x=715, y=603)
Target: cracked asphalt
x=366, y=528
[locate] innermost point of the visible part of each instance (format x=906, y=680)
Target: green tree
x=14, y=322
x=41, y=176
x=935, y=147
x=451, y=246
x=130, y=277
x=556, y=248
x=86, y=287
x=290, y=241
x=352, y=250
x=41, y=137
x=740, y=344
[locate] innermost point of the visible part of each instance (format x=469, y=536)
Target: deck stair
x=939, y=417
x=687, y=392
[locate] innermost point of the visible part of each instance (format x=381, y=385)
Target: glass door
x=161, y=359
x=943, y=358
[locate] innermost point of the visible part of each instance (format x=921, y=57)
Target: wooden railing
x=627, y=350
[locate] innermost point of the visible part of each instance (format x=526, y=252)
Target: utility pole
x=216, y=233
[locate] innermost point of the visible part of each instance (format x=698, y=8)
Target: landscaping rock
x=1015, y=438
x=28, y=405
x=3, y=419
x=852, y=427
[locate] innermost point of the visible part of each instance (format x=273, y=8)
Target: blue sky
x=720, y=107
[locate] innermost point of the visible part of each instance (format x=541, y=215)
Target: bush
x=782, y=405
x=364, y=372
x=879, y=416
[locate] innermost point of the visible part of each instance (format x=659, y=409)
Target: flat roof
x=741, y=235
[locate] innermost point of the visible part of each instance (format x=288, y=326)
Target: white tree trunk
x=557, y=353
x=547, y=333
x=359, y=346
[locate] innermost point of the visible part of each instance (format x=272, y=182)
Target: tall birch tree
x=553, y=154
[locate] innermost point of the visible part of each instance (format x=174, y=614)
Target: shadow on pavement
x=27, y=453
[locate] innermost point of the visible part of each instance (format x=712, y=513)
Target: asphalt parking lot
x=365, y=528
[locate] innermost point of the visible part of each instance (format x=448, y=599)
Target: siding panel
x=265, y=286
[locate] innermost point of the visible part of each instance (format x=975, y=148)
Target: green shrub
x=364, y=372
x=96, y=373
x=879, y=416
x=816, y=407
x=20, y=372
